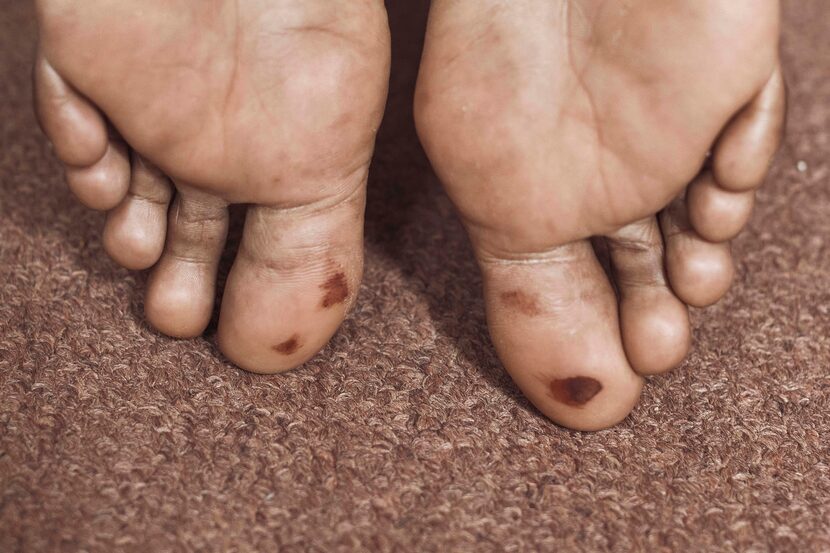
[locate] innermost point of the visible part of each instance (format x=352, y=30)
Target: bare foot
x=553, y=122
x=270, y=103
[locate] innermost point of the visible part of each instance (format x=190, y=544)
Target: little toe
x=746, y=148
x=97, y=168
x=553, y=320
x=182, y=286
x=700, y=272
x=136, y=229
x=75, y=127
x=653, y=321
x=715, y=213
x=294, y=279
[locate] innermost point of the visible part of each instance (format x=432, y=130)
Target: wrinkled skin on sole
x=164, y=112
x=554, y=122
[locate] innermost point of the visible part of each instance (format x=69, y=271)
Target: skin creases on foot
x=552, y=124
x=196, y=107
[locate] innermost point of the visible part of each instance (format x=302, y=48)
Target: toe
x=97, y=168
x=715, y=213
x=554, y=323
x=104, y=184
x=700, y=272
x=654, y=323
x=181, y=288
x=135, y=231
x=75, y=127
x=294, y=278
x=745, y=149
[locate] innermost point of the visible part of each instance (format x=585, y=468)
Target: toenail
x=289, y=346
x=576, y=391
x=522, y=302
x=337, y=290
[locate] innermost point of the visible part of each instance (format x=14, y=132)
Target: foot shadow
x=411, y=225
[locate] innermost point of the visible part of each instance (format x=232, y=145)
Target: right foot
x=271, y=103
x=550, y=122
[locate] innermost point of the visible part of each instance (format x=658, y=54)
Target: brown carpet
x=404, y=435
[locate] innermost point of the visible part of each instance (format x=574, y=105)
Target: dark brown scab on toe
x=337, y=290
x=521, y=301
x=576, y=391
x=290, y=346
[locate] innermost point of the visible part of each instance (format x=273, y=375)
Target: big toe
x=554, y=323
x=294, y=279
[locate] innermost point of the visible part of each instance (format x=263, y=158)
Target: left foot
x=202, y=103
x=550, y=122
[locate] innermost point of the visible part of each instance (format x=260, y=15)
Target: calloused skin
x=551, y=122
x=272, y=103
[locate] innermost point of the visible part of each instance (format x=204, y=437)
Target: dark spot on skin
x=337, y=290
x=576, y=391
x=289, y=346
x=522, y=302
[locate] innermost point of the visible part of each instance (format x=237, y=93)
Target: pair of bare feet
x=549, y=122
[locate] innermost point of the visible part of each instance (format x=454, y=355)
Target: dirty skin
x=576, y=391
x=336, y=289
x=521, y=301
x=290, y=346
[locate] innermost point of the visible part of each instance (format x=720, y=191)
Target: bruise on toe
x=289, y=346
x=336, y=289
x=576, y=391
x=521, y=301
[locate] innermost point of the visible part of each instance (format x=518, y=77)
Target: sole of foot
x=647, y=127
x=193, y=108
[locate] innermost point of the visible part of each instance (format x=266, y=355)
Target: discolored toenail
x=521, y=301
x=576, y=391
x=337, y=290
x=290, y=346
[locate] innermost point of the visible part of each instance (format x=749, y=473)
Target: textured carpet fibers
x=404, y=434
